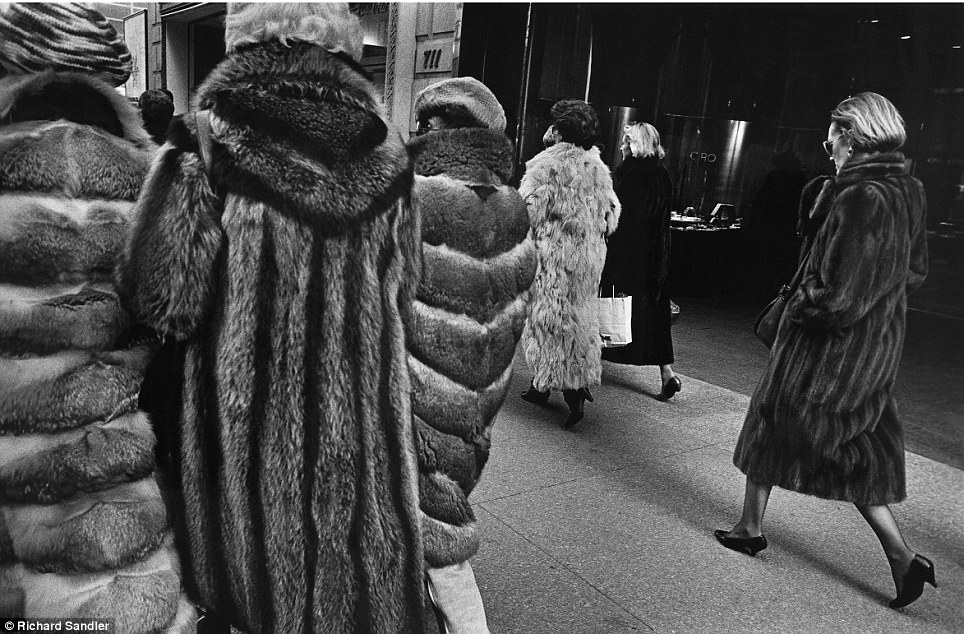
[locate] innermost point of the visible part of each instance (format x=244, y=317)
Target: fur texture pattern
x=478, y=264
x=572, y=208
x=286, y=274
x=150, y=584
x=82, y=519
x=823, y=420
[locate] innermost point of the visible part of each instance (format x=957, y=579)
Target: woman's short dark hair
x=576, y=122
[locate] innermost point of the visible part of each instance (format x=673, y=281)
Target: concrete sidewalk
x=608, y=527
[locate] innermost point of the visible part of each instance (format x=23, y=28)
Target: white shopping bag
x=615, y=321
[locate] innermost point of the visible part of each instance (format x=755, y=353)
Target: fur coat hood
x=466, y=321
x=322, y=144
x=572, y=208
x=83, y=528
x=286, y=272
x=823, y=419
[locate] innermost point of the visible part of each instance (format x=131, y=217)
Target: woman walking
x=637, y=260
x=572, y=208
x=823, y=420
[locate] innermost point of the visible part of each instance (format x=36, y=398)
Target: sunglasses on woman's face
x=828, y=145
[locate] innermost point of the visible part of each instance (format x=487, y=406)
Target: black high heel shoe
x=575, y=400
x=670, y=388
x=533, y=395
x=746, y=545
x=921, y=571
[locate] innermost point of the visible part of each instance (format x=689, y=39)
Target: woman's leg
x=755, y=499
x=666, y=373
x=899, y=554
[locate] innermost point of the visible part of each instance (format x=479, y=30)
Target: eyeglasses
x=828, y=145
x=424, y=129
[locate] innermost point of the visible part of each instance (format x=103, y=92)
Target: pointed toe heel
x=921, y=571
x=746, y=545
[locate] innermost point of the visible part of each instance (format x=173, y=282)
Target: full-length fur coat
x=572, y=208
x=637, y=260
x=823, y=420
x=479, y=262
x=83, y=528
x=286, y=273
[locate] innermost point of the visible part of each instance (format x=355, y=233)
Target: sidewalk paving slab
x=608, y=527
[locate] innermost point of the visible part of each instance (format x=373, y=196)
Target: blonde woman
x=637, y=261
x=823, y=420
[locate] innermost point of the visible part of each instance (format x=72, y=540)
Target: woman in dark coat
x=637, y=262
x=823, y=420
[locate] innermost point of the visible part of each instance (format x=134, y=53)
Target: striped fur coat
x=478, y=265
x=83, y=527
x=297, y=462
x=823, y=420
x=572, y=208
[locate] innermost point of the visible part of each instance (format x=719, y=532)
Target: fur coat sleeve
x=167, y=271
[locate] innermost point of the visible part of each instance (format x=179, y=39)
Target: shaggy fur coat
x=823, y=420
x=466, y=321
x=637, y=260
x=297, y=461
x=83, y=528
x=572, y=208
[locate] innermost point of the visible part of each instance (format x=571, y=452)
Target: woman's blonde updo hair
x=329, y=25
x=872, y=121
x=644, y=141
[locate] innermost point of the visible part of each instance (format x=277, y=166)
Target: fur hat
x=329, y=25
x=465, y=93
x=35, y=37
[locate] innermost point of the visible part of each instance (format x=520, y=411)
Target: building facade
x=729, y=86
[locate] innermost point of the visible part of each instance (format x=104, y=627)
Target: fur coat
x=83, y=528
x=466, y=321
x=637, y=260
x=572, y=208
x=296, y=453
x=823, y=420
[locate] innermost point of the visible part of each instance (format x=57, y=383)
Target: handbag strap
x=789, y=289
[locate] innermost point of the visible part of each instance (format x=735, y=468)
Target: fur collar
x=301, y=129
x=469, y=154
x=869, y=168
x=16, y=89
x=819, y=195
x=563, y=151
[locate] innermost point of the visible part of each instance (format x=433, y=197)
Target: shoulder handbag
x=768, y=321
x=615, y=320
